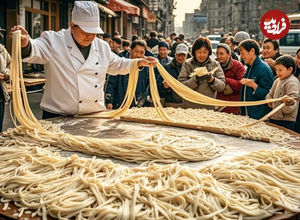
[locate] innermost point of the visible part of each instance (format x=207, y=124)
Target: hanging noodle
x=128, y=150
x=183, y=91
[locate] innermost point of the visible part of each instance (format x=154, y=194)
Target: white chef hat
x=85, y=14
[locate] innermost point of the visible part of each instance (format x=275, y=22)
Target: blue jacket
x=173, y=69
x=117, y=86
x=263, y=76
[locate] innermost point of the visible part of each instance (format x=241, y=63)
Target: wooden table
x=109, y=128
x=29, y=82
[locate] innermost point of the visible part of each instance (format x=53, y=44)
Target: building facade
x=163, y=11
x=242, y=15
x=195, y=24
x=40, y=15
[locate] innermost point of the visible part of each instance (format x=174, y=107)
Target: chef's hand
x=24, y=35
x=147, y=61
x=3, y=76
x=249, y=82
x=109, y=106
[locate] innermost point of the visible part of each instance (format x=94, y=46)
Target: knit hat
x=240, y=36
x=163, y=44
x=225, y=46
x=86, y=15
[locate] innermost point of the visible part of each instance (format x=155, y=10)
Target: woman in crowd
x=208, y=84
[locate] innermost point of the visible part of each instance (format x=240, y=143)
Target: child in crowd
x=285, y=84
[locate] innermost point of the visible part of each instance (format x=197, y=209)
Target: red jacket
x=233, y=74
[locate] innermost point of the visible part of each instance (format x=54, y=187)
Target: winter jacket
x=117, y=86
x=291, y=87
x=202, y=86
x=262, y=75
x=233, y=74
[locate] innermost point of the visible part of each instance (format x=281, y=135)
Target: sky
x=182, y=7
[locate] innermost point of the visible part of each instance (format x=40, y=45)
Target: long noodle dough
x=128, y=150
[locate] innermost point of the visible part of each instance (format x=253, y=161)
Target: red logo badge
x=274, y=24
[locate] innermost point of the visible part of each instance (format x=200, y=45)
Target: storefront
x=127, y=15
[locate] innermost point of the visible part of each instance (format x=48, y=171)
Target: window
x=45, y=18
x=291, y=39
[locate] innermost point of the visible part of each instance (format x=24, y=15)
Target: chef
x=75, y=63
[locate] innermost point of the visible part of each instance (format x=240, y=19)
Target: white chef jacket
x=74, y=85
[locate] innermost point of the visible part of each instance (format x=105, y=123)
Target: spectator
x=134, y=37
x=172, y=36
x=153, y=41
x=116, y=45
x=160, y=37
x=234, y=72
x=116, y=34
x=181, y=36
x=297, y=74
x=117, y=85
x=223, y=39
x=100, y=36
x=176, y=41
x=126, y=48
x=257, y=80
x=107, y=38
x=285, y=84
x=208, y=84
x=234, y=49
x=163, y=51
x=239, y=37
x=270, y=53
x=174, y=69
x=146, y=37
x=4, y=75
x=297, y=61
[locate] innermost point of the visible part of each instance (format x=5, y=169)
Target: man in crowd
x=234, y=72
x=153, y=41
x=117, y=85
x=126, y=48
x=4, y=75
x=163, y=51
x=116, y=45
x=233, y=47
x=174, y=69
x=270, y=53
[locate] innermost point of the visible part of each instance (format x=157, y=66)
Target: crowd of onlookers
x=246, y=71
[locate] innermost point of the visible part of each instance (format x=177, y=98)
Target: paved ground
x=34, y=102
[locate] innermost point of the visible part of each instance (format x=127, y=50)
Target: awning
x=121, y=5
x=106, y=10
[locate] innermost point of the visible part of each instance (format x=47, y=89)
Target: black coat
x=117, y=86
x=173, y=69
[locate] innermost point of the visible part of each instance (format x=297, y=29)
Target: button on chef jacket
x=74, y=85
